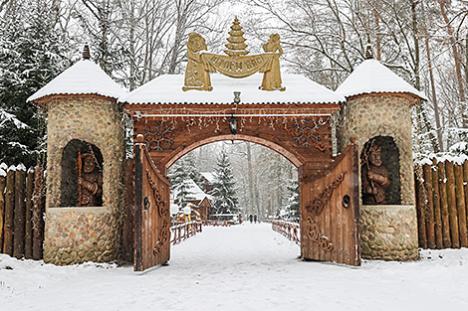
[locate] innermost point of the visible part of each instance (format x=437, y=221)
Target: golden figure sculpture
x=235, y=64
x=196, y=76
x=272, y=78
x=375, y=177
x=89, y=181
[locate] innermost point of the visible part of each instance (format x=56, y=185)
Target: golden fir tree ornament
x=236, y=45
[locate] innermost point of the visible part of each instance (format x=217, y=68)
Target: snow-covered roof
x=84, y=77
x=373, y=77
x=209, y=176
x=167, y=89
x=195, y=192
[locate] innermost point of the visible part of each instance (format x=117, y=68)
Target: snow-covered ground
x=246, y=267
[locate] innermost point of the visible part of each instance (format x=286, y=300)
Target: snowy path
x=247, y=267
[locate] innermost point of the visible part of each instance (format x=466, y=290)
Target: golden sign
x=236, y=64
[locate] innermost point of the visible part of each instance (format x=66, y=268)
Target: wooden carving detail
x=315, y=235
x=163, y=213
x=160, y=136
x=236, y=63
x=305, y=133
x=319, y=202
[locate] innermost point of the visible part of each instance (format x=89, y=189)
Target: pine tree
x=32, y=52
x=292, y=207
x=180, y=180
x=188, y=161
x=224, y=188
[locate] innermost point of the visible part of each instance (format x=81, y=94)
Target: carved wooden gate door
x=152, y=219
x=330, y=212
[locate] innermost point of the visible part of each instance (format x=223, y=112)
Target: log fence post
x=19, y=213
x=9, y=212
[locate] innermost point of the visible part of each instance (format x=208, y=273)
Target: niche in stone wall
x=82, y=172
x=380, y=172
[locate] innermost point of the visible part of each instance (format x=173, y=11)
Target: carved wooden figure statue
x=375, y=177
x=196, y=75
x=89, y=181
x=272, y=78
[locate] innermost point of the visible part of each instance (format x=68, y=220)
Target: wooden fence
x=442, y=204
x=21, y=211
x=288, y=229
x=184, y=231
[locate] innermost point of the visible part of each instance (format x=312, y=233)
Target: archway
x=230, y=137
x=303, y=134
x=261, y=180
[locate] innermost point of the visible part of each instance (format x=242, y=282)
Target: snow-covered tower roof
x=371, y=76
x=83, y=78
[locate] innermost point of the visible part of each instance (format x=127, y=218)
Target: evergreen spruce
x=180, y=180
x=32, y=52
x=224, y=188
x=292, y=207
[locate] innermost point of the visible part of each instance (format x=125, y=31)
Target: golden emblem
x=235, y=64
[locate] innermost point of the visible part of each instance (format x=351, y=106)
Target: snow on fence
x=288, y=229
x=184, y=231
x=21, y=211
x=442, y=204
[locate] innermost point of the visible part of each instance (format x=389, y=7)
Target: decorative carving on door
x=315, y=235
x=320, y=202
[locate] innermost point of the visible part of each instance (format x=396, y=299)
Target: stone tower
x=83, y=117
x=377, y=116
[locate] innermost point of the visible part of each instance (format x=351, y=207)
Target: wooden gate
x=152, y=219
x=330, y=213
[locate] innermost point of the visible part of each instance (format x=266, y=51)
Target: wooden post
x=9, y=212
x=437, y=211
x=420, y=208
x=427, y=171
x=2, y=206
x=460, y=197
x=452, y=205
x=20, y=214
x=138, y=242
x=446, y=239
x=465, y=186
x=37, y=212
x=28, y=241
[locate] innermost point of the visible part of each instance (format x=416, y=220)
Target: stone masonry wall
x=78, y=234
x=387, y=232
x=368, y=116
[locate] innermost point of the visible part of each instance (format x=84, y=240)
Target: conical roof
x=84, y=77
x=373, y=77
x=236, y=45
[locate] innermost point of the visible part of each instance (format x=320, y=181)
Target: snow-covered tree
x=180, y=183
x=189, y=163
x=292, y=206
x=32, y=49
x=224, y=188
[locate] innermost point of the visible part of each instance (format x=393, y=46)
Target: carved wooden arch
x=261, y=141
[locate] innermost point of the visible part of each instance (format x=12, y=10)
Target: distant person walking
x=250, y=218
x=255, y=219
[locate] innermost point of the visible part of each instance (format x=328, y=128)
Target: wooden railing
x=184, y=231
x=288, y=229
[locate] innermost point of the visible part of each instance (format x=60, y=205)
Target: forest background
x=134, y=41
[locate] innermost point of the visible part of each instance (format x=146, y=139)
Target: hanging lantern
x=233, y=124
